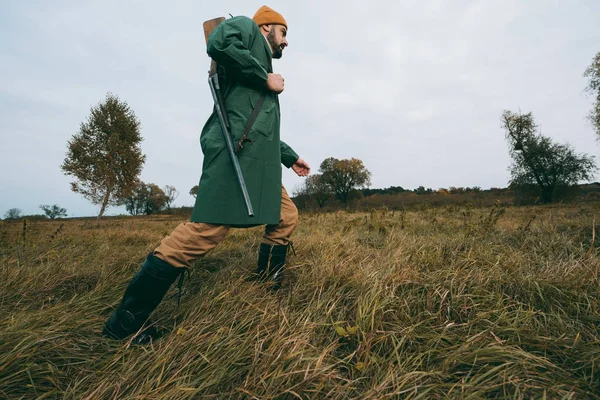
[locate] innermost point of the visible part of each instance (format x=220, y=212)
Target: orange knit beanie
x=266, y=16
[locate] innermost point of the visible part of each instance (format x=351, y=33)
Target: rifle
x=215, y=89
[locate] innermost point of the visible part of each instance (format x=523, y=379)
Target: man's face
x=277, y=39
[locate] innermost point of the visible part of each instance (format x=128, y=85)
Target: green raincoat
x=238, y=46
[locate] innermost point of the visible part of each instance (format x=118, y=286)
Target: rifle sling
x=249, y=123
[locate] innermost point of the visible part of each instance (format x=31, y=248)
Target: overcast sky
x=414, y=89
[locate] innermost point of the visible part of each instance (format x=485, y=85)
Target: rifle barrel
x=213, y=82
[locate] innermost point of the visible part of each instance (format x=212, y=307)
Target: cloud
x=415, y=90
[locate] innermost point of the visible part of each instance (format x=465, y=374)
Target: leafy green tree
x=13, y=213
x=391, y=190
x=157, y=199
x=147, y=198
x=135, y=203
x=421, y=190
x=194, y=191
x=593, y=74
x=105, y=156
x=54, y=211
x=316, y=188
x=536, y=160
x=341, y=176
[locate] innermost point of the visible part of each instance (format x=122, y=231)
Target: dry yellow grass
x=443, y=302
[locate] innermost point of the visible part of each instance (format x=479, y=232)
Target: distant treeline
x=422, y=190
x=396, y=197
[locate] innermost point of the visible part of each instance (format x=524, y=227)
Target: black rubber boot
x=264, y=254
x=144, y=293
x=271, y=263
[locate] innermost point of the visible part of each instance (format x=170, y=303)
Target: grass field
x=447, y=302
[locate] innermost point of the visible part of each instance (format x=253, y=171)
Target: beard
x=277, y=48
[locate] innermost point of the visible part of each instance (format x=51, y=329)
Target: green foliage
x=537, y=160
x=593, y=74
x=35, y=217
x=341, y=176
x=453, y=197
x=463, y=190
x=54, y=211
x=317, y=189
x=13, y=213
x=147, y=198
x=194, y=191
x=421, y=190
x=105, y=157
x=390, y=190
x=183, y=211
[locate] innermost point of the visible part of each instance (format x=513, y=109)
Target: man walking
x=243, y=48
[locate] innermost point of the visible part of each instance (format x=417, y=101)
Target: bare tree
x=593, y=74
x=171, y=194
x=13, y=213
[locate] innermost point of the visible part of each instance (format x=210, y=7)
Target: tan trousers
x=192, y=240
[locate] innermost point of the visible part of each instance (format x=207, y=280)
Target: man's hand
x=301, y=168
x=275, y=83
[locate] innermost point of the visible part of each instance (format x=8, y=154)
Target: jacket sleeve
x=288, y=155
x=229, y=46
